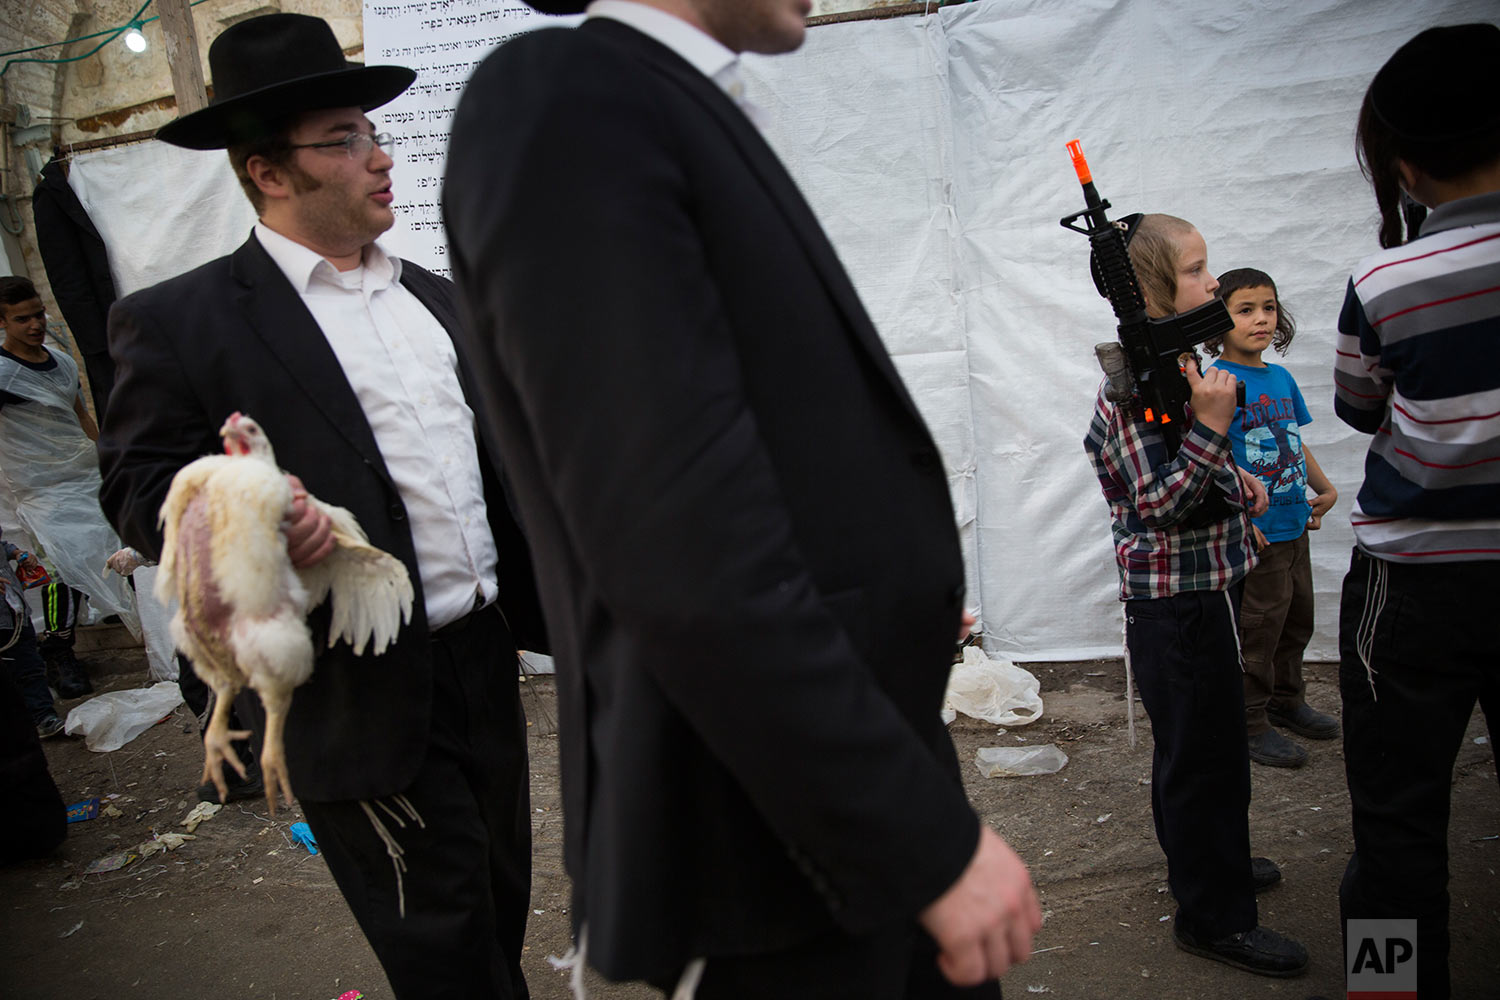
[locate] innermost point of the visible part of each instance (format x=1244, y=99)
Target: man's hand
x=969, y=621
x=1259, y=537
x=1255, y=493
x=1214, y=399
x=125, y=561
x=986, y=920
x=309, y=532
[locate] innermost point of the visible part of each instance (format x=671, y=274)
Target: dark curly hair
x=1240, y=279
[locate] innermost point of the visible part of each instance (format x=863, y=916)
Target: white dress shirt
x=704, y=52
x=402, y=366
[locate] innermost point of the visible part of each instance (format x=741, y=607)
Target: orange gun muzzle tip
x=1080, y=165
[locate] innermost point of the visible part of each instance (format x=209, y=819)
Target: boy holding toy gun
x=1180, y=511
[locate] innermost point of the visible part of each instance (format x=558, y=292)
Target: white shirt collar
x=300, y=264
x=704, y=52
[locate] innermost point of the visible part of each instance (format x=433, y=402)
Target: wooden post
x=181, y=40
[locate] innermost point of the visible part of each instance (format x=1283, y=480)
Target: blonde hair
x=1153, y=253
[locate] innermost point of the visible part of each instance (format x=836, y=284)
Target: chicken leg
x=273, y=750
x=218, y=742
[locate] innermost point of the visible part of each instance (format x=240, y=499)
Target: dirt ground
x=243, y=912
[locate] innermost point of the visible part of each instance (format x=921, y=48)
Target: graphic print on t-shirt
x=1273, y=448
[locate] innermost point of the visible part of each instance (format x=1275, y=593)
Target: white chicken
x=242, y=606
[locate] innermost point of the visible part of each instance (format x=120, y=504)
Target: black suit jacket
x=234, y=335
x=78, y=269
x=745, y=542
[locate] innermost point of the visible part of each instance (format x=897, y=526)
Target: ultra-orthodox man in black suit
x=744, y=540
x=342, y=353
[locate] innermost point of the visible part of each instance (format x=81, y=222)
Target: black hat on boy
x=1440, y=86
x=267, y=68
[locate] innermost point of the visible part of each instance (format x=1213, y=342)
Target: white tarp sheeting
x=932, y=149
x=160, y=210
x=925, y=142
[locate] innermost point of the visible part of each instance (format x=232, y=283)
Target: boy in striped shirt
x=1416, y=368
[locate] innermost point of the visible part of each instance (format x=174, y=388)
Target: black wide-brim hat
x=557, y=6
x=268, y=68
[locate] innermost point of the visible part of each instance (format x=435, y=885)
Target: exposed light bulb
x=134, y=40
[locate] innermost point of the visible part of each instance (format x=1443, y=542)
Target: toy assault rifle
x=1147, y=362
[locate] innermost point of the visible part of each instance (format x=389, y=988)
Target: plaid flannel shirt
x=1149, y=497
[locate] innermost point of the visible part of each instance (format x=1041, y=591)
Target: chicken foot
x=218, y=744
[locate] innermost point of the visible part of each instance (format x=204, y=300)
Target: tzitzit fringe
x=1234, y=626
x=577, y=958
x=1364, y=636
x=1129, y=674
x=394, y=849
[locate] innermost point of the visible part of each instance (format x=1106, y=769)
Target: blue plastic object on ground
x=80, y=811
x=303, y=835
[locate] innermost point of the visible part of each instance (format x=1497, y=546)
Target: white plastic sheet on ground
x=109, y=721
x=932, y=149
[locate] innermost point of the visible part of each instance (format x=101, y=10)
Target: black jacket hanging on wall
x=78, y=270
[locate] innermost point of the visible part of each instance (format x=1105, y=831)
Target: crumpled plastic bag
x=1020, y=762
x=112, y=720
x=162, y=842
x=202, y=811
x=994, y=690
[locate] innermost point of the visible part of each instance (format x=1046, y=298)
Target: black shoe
x=67, y=675
x=49, y=726
x=1259, y=950
x=1304, y=720
x=251, y=786
x=1264, y=873
x=1274, y=750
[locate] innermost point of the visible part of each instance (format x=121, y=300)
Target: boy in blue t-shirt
x=1276, y=612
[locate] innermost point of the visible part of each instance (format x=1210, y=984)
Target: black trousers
x=1433, y=652
x=1185, y=657
x=898, y=964
x=36, y=820
x=467, y=883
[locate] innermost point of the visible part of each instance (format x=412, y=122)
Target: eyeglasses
x=356, y=144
